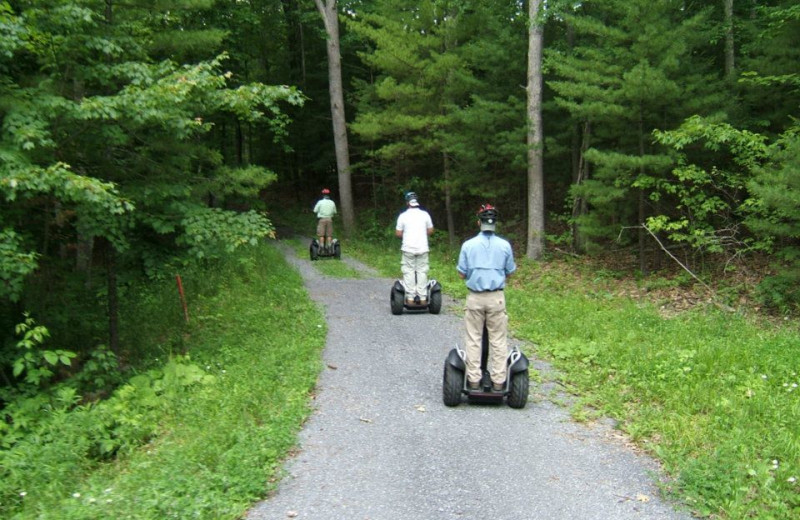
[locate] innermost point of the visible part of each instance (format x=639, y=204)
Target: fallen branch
x=676, y=259
x=708, y=288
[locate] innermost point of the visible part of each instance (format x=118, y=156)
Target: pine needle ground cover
x=713, y=395
x=213, y=423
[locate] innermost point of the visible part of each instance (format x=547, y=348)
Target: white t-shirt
x=414, y=223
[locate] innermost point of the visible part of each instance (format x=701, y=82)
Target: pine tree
x=628, y=73
x=439, y=110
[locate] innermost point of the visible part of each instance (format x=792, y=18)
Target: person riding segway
x=415, y=291
x=486, y=370
x=325, y=209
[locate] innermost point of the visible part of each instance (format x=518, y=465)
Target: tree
x=535, y=247
x=730, y=56
x=628, y=73
x=330, y=17
x=443, y=112
x=100, y=140
x=775, y=218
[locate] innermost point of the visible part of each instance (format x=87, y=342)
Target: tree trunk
x=331, y=19
x=730, y=65
x=579, y=204
x=535, y=247
x=113, y=300
x=451, y=227
x=642, y=207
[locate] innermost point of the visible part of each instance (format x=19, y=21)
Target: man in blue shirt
x=485, y=262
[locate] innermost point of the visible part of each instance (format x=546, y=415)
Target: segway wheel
x=452, y=384
x=436, y=302
x=396, y=301
x=337, y=250
x=313, y=250
x=518, y=394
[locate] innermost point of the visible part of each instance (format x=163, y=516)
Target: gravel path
x=382, y=446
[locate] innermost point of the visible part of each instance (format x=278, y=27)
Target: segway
x=433, y=304
x=454, y=382
x=317, y=252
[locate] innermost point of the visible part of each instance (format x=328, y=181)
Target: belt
x=487, y=290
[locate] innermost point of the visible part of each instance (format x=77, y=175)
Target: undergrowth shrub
x=199, y=435
x=50, y=440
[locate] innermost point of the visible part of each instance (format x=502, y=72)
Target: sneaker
x=423, y=301
x=409, y=301
x=473, y=385
x=498, y=387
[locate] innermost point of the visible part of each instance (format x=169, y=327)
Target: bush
x=199, y=437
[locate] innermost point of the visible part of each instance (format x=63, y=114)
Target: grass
x=226, y=417
x=713, y=395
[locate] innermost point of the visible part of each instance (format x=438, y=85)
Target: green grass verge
x=225, y=420
x=713, y=395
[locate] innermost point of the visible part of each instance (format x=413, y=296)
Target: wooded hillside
x=136, y=136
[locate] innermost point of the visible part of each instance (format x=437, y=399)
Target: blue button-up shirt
x=485, y=260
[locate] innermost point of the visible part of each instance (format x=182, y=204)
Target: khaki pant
x=325, y=228
x=415, y=274
x=491, y=308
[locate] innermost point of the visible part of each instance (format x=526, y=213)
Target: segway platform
x=454, y=381
x=398, y=303
x=316, y=251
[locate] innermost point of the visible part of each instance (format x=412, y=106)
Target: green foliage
x=211, y=232
x=215, y=425
x=712, y=395
x=15, y=264
x=776, y=219
x=52, y=441
x=627, y=72
x=443, y=112
x=709, y=201
x=101, y=136
x=36, y=364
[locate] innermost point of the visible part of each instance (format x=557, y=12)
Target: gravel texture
x=382, y=446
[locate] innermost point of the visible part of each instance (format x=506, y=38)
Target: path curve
x=380, y=444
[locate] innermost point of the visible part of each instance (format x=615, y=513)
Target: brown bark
x=579, y=204
x=113, y=300
x=643, y=267
x=730, y=65
x=535, y=238
x=331, y=19
x=451, y=227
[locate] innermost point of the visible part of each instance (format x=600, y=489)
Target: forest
x=139, y=139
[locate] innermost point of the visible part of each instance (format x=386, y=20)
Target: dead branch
x=661, y=245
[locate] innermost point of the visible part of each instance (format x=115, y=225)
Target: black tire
x=396, y=301
x=452, y=384
x=518, y=394
x=337, y=251
x=436, y=302
x=313, y=250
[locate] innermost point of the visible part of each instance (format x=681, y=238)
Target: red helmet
x=488, y=213
x=326, y=191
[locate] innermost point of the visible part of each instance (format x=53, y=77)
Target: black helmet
x=488, y=214
x=410, y=195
